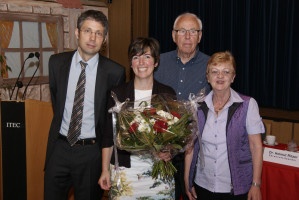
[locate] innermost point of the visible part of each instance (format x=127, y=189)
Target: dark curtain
x=261, y=34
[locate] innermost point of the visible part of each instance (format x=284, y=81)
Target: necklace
x=219, y=109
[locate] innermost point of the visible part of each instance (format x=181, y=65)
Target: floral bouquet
x=161, y=125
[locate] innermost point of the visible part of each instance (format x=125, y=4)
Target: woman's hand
x=164, y=156
x=188, y=158
x=254, y=193
x=104, y=180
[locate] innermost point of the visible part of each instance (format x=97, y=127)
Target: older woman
x=229, y=164
x=144, y=54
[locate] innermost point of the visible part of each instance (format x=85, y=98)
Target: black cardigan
x=123, y=92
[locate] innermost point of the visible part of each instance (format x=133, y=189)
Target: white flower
x=165, y=114
x=170, y=122
x=152, y=121
x=173, y=121
x=144, y=127
x=138, y=118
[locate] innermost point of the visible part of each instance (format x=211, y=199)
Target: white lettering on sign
x=13, y=125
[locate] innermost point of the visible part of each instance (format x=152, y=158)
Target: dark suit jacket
x=123, y=92
x=109, y=75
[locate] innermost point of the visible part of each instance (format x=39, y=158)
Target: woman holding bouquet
x=144, y=54
x=229, y=164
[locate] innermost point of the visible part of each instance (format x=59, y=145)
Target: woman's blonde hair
x=220, y=58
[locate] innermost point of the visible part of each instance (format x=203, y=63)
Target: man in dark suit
x=79, y=83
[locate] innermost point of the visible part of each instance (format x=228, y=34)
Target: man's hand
x=191, y=195
x=104, y=180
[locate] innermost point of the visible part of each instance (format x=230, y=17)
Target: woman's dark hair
x=139, y=45
x=93, y=15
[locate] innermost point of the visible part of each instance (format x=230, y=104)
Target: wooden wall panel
x=282, y=123
x=1, y=175
x=282, y=131
x=127, y=19
x=296, y=133
x=38, y=120
x=120, y=31
x=278, y=114
x=268, y=126
x=140, y=18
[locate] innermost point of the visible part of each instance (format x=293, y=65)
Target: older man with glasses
x=184, y=69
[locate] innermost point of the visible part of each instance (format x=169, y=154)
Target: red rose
x=160, y=126
x=150, y=111
x=133, y=127
x=175, y=114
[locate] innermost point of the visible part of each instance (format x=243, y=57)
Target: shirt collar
x=92, y=63
x=191, y=60
x=234, y=98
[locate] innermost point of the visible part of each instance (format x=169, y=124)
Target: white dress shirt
x=88, y=121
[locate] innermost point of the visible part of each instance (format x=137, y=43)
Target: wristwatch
x=256, y=184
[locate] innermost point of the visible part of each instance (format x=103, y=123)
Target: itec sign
x=13, y=125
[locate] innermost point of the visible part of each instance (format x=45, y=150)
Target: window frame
x=39, y=18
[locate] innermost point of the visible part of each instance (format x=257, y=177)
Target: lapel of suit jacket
x=100, y=90
x=130, y=90
x=64, y=72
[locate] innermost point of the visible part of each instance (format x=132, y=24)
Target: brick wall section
x=41, y=10
x=19, y=8
x=3, y=7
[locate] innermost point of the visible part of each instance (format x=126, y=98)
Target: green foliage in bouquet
x=161, y=127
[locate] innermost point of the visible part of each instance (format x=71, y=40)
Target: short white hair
x=189, y=14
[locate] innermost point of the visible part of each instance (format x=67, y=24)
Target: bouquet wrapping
x=161, y=124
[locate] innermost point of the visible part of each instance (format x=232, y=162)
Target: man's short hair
x=190, y=14
x=93, y=15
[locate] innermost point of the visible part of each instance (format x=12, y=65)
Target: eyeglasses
x=216, y=72
x=184, y=31
x=88, y=32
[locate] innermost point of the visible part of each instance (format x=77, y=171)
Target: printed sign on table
x=281, y=157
